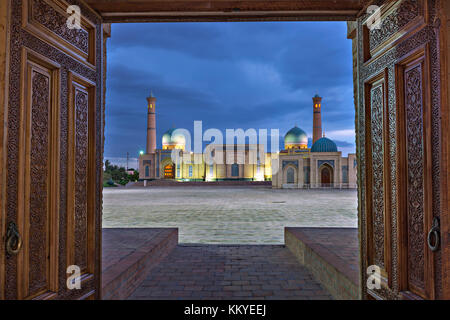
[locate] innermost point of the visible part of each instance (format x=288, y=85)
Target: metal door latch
x=13, y=239
x=434, y=233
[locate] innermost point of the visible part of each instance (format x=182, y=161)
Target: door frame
x=445, y=98
x=5, y=17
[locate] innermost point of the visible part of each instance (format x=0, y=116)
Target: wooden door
x=325, y=176
x=401, y=150
x=51, y=199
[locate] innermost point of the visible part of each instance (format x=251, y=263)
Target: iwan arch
x=52, y=86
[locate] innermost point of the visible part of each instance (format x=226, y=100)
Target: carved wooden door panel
x=399, y=145
x=54, y=151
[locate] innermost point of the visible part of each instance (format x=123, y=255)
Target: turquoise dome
x=324, y=145
x=296, y=136
x=169, y=138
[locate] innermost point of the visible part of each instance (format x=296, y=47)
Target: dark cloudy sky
x=229, y=75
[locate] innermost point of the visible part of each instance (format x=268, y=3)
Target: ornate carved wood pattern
x=47, y=16
x=20, y=38
x=415, y=176
x=426, y=32
x=403, y=14
x=377, y=106
x=47, y=20
x=81, y=179
x=39, y=176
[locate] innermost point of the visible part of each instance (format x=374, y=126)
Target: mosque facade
x=296, y=166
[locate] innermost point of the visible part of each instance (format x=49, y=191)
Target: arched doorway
x=290, y=175
x=169, y=171
x=326, y=176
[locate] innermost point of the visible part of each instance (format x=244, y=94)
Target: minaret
x=317, y=120
x=151, y=124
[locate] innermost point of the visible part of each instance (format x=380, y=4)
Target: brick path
x=230, y=272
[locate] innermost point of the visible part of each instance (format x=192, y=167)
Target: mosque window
x=344, y=174
x=147, y=171
x=190, y=171
x=235, y=170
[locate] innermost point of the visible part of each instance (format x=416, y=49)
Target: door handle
x=13, y=240
x=434, y=233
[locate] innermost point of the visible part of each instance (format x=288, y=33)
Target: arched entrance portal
x=326, y=176
x=290, y=175
x=169, y=171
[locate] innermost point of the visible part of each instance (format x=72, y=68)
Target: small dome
x=324, y=145
x=173, y=139
x=295, y=137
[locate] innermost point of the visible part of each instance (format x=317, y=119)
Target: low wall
x=334, y=273
x=129, y=255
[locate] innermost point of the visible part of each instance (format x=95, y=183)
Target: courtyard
x=228, y=215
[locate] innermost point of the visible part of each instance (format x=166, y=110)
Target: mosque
x=296, y=166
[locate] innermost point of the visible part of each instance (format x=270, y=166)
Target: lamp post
x=140, y=154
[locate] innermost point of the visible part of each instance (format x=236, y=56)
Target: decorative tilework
x=329, y=162
x=288, y=162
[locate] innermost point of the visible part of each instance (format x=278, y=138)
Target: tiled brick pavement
x=228, y=215
x=230, y=272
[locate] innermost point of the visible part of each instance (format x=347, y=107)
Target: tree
x=116, y=174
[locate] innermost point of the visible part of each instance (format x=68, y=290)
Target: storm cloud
x=228, y=75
